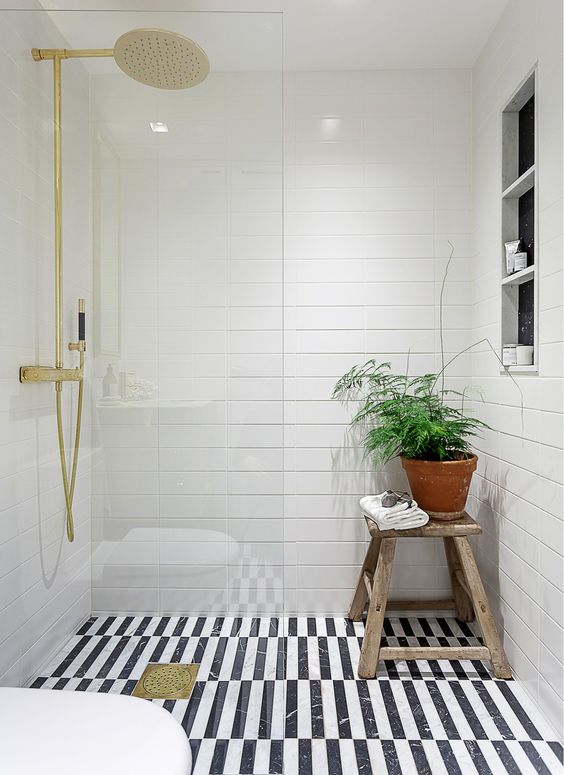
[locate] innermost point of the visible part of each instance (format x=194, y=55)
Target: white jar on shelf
x=524, y=355
x=509, y=355
x=520, y=261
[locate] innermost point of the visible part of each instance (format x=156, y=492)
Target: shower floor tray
x=281, y=695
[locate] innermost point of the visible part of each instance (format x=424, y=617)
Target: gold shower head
x=159, y=58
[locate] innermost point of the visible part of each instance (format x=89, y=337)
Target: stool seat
x=468, y=596
x=435, y=528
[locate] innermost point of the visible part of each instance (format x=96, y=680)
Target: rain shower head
x=159, y=58
x=163, y=59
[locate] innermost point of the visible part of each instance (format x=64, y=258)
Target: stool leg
x=486, y=621
x=464, y=610
x=368, y=663
x=361, y=595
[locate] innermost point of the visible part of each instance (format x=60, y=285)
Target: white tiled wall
x=377, y=180
x=44, y=581
x=377, y=176
x=517, y=493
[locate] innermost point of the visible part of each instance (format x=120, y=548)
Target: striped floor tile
x=280, y=696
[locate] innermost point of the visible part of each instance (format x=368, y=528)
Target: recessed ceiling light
x=158, y=126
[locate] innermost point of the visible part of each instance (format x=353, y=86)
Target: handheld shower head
x=159, y=58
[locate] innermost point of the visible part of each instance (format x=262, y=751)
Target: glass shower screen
x=187, y=379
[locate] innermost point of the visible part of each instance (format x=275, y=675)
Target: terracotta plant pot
x=440, y=488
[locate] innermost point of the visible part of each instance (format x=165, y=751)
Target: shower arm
x=40, y=54
x=58, y=374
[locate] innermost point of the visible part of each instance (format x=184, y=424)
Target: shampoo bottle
x=110, y=383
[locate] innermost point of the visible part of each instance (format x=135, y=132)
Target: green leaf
x=407, y=415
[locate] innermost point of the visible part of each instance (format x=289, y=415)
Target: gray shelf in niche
x=523, y=369
x=518, y=278
x=520, y=369
x=519, y=217
x=520, y=186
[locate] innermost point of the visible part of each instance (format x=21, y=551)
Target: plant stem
x=490, y=345
x=441, y=331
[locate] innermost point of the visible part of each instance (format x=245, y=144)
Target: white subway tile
x=192, y=483
x=328, y=175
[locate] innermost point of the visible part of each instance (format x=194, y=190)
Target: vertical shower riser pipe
x=58, y=195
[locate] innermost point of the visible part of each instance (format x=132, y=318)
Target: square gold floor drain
x=172, y=681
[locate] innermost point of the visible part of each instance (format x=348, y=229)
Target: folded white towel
x=374, y=502
x=402, y=516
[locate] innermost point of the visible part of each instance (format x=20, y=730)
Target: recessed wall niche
x=519, y=289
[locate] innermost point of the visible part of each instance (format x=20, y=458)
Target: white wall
x=377, y=180
x=517, y=492
x=377, y=169
x=44, y=581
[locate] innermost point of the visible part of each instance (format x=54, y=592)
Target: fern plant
x=408, y=415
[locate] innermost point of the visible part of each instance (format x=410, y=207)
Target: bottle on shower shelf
x=110, y=383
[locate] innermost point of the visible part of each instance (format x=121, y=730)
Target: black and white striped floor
x=280, y=696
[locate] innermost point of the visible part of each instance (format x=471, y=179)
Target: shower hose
x=68, y=486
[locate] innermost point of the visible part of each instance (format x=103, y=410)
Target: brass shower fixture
x=58, y=374
x=159, y=58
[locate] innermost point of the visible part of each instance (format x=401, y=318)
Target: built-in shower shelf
x=519, y=220
x=523, y=184
x=519, y=277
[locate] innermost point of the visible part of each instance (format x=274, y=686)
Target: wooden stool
x=468, y=595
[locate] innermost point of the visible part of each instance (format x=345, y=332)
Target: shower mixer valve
x=55, y=373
